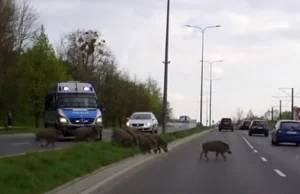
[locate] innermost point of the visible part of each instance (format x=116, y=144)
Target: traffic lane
x=181, y=171
x=283, y=157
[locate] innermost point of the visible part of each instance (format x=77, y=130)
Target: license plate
x=226, y=123
x=291, y=132
x=259, y=128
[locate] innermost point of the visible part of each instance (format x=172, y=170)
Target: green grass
x=37, y=173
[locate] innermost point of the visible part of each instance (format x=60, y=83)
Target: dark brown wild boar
x=49, y=135
x=86, y=134
x=145, y=144
x=215, y=146
x=158, y=141
x=122, y=137
x=133, y=132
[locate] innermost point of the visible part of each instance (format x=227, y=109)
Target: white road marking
x=21, y=143
x=13, y=155
x=263, y=159
x=279, y=173
x=255, y=151
x=248, y=143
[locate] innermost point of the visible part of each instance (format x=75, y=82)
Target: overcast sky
x=258, y=43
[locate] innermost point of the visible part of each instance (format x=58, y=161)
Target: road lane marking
x=21, y=143
x=11, y=155
x=248, y=143
x=279, y=173
x=255, y=151
x=263, y=159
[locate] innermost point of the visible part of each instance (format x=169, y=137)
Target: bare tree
x=26, y=24
x=239, y=114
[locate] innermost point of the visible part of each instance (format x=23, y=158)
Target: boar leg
x=223, y=155
x=206, y=155
x=217, y=154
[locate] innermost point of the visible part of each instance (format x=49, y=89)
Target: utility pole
x=166, y=62
x=201, y=90
x=292, y=105
x=272, y=114
x=280, y=109
x=207, y=112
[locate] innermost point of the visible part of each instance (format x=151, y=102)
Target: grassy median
x=37, y=173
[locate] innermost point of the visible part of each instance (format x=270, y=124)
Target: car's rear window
x=259, y=123
x=290, y=125
x=226, y=121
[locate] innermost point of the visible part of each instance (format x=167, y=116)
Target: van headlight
x=99, y=120
x=62, y=119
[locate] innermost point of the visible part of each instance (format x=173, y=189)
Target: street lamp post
x=210, y=86
x=201, y=90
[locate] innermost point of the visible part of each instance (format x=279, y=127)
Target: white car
x=143, y=121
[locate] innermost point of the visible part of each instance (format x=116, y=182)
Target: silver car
x=143, y=121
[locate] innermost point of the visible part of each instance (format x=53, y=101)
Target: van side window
x=49, y=102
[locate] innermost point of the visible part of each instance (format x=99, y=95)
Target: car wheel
x=220, y=130
x=297, y=144
x=267, y=134
x=250, y=134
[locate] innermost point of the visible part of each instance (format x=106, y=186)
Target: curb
x=119, y=167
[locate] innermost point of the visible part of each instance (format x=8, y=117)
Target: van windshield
x=76, y=101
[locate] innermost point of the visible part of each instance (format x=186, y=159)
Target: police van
x=70, y=105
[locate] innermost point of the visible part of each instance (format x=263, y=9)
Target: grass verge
x=37, y=173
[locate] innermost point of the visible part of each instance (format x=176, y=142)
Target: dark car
x=245, y=125
x=226, y=124
x=259, y=127
x=286, y=131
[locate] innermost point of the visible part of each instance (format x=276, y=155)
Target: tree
x=239, y=115
x=39, y=70
x=250, y=115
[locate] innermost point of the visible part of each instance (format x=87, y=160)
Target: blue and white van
x=70, y=105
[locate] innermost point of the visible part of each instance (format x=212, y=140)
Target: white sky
x=258, y=43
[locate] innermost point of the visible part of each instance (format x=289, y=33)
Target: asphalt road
x=255, y=167
x=23, y=143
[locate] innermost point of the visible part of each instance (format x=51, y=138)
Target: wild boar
x=133, y=132
x=86, y=134
x=145, y=144
x=215, y=146
x=122, y=137
x=46, y=134
x=158, y=141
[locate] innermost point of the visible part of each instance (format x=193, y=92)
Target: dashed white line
x=255, y=151
x=279, y=173
x=248, y=143
x=263, y=159
x=21, y=143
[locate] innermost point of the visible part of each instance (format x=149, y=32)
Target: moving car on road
x=245, y=125
x=226, y=124
x=143, y=121
x=259, y=127
x=286, y=131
